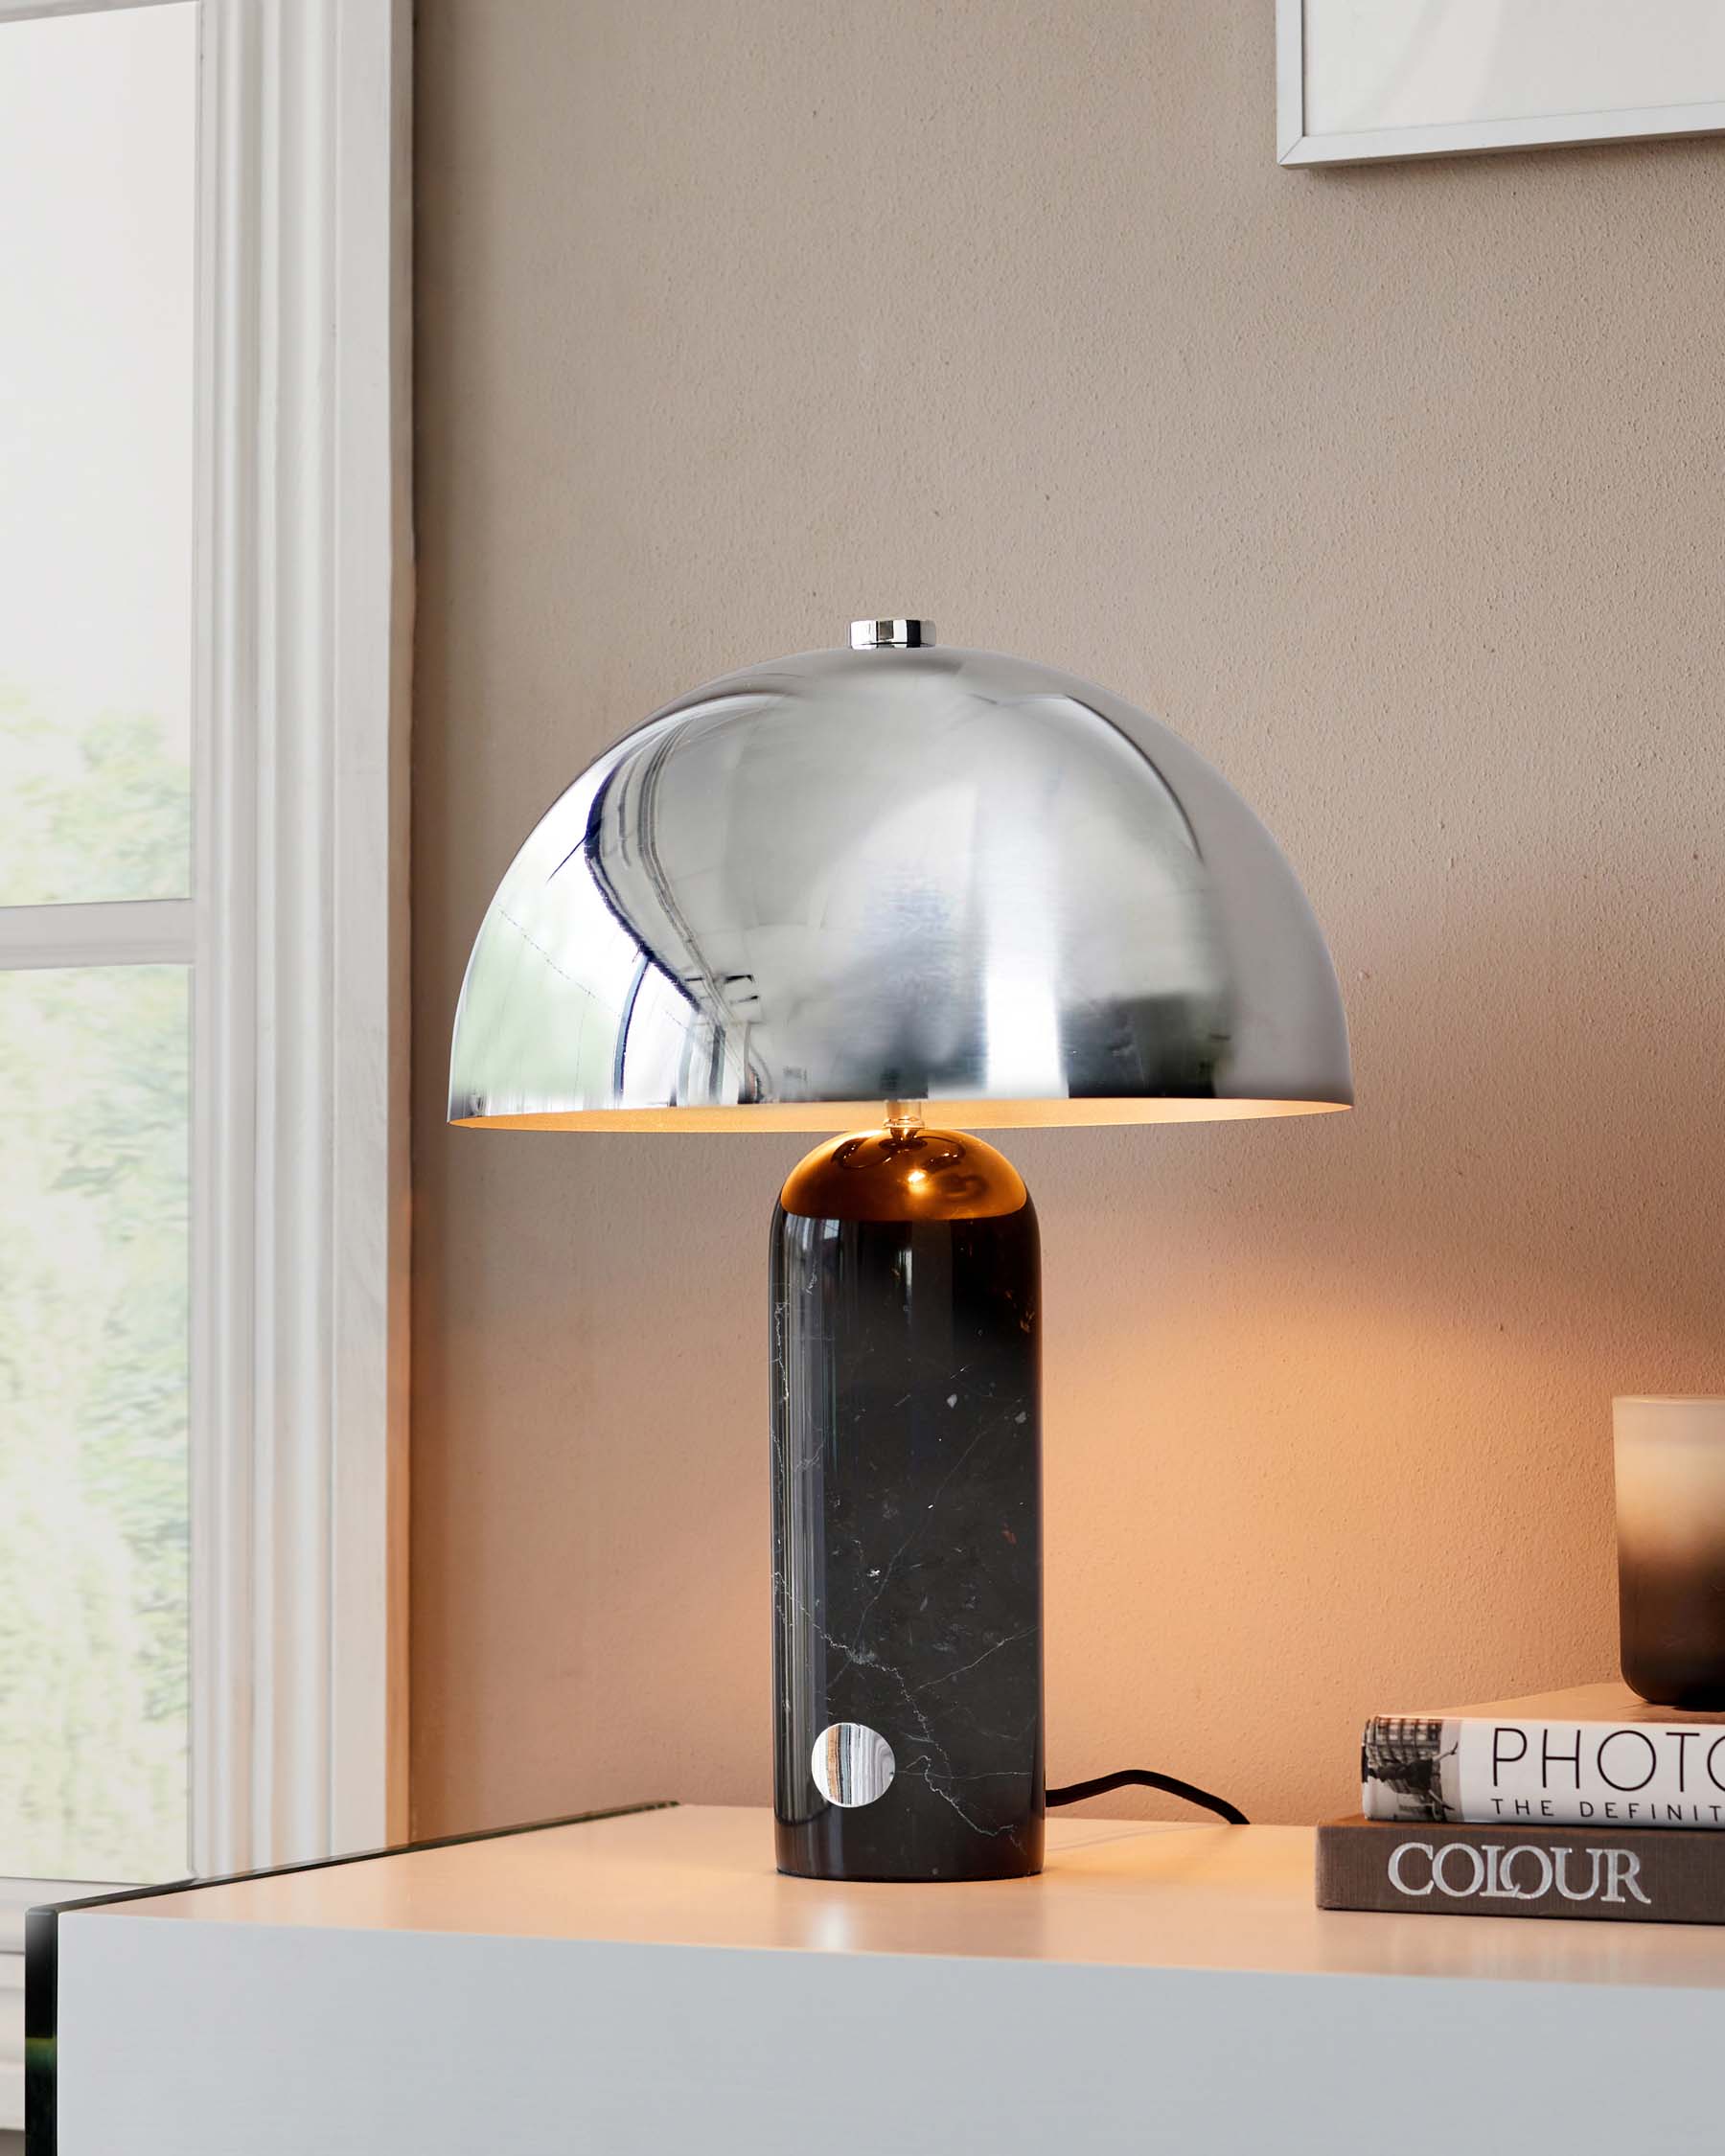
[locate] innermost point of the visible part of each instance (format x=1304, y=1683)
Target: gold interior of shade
x=904, y=1171
x=851, y=1114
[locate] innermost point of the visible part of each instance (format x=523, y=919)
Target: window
x=205, y=607
x=96, y=139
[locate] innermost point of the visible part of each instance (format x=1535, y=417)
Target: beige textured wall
x=1399, y=492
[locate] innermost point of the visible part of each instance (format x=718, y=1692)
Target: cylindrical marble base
x=906, y=1504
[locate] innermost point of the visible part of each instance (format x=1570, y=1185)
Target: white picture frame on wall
x=1364, y=80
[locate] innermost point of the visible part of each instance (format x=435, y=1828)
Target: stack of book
x=1586, y=1802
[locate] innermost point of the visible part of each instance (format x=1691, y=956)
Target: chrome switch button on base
x=852, y=1764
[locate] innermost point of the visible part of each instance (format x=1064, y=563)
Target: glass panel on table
x=94, y=1070
x=98, y=144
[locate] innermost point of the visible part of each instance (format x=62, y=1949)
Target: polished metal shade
x=896, y=871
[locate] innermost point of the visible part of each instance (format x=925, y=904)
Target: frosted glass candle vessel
x=1670, y=1530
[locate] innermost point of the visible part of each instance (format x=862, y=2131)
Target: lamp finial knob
x=890, y=635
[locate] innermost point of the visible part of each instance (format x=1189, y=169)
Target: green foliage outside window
x=94, y=1305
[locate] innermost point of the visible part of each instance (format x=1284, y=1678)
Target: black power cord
x=1141, y=1778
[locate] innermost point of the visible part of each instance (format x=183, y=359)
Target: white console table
x=645, y=1983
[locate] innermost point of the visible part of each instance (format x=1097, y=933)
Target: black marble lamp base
x=906, y=1513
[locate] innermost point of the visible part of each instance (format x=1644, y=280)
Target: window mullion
x=129, y=933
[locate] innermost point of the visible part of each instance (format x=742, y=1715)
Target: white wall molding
x=300, y=1229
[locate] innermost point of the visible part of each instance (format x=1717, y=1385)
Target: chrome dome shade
x=903, y=873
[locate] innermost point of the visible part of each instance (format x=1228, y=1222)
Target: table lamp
x=898, y=893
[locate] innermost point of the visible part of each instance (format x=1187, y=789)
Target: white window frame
x=297, y=937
